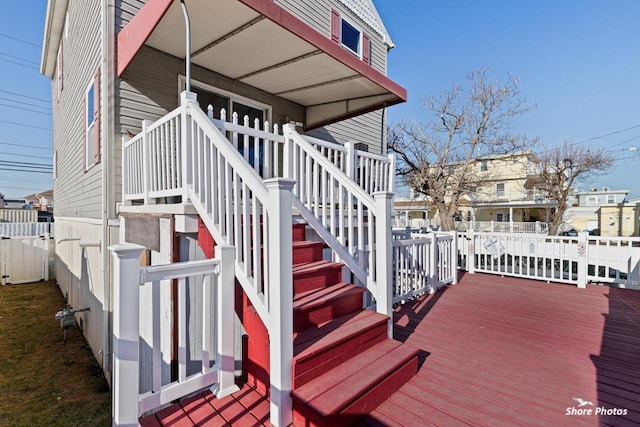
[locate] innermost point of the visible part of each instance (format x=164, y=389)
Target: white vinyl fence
x=24, y=259
x=576, y=260
x=422, y=264
x=17, y=229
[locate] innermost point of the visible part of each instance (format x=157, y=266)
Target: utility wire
x=24, y=164
x=26, y=96
x=25, y=170
x=19, y=58
x=20, y=40
x=26, y=146
x=18, y=63
x=25, y=125
x=25, y=155
x=25, y=103
x=25, y=109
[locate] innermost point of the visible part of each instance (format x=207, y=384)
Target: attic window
x=350, y=37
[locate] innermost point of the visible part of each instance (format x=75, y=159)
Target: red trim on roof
x=137, y=31
x=293, y=24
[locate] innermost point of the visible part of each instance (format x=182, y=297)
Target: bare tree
x=564, y=165
x=439, y=158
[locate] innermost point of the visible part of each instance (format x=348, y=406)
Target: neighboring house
x=41, y=201
x=585, y=214
x=1, y=200
x=507, y=193
x=317, y=65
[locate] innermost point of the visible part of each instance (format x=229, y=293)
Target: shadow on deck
x=501, y=351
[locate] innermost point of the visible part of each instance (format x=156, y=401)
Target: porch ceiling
x=259, y=43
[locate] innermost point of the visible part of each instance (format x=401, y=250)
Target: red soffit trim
x=137, y=31
x=293, y=24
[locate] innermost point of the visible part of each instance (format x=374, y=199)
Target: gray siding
x=77, y=193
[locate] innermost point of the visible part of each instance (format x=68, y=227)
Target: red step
x=346, y=393
x=315, y=275
x=307, y=251
x=299, y=231
x=317, y=350
x=317, y=307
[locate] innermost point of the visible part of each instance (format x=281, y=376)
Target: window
x=502, y=217
x=500, y=189
x=611, y=198
x=451, y=169
x=484, y=166
x=592, y=201
x=350, y=37
x=92, y=123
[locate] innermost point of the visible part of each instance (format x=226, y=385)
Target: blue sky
x=577, y=60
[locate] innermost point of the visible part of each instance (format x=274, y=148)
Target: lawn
x=43, y=381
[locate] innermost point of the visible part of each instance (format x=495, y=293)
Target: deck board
x=497, y=352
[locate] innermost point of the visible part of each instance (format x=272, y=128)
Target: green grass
x=43, y=381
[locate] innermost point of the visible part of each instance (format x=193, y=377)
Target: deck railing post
x=384, y=256
x=146, y=161
x=471, y=253
x=350, y=167
x=454, y=257
x=186, y=98
x=126, y=333
x=583, y=249
x=279, y=255
x=125, y=171
x=392, y=172
x=225, y=322
x=288, y=150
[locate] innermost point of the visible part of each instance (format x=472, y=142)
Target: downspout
x=187, y=57
x=107, y=67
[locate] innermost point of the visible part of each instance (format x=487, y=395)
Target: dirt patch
x=44, y=381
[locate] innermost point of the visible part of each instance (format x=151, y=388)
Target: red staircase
x=344, y=365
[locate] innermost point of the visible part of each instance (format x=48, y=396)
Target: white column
x=454, y=250
x=384, y=257
x=280, y=253
x=511, y=219
x=146, y=161
x=186, y=98
x=225, y=318
x=126, y=333
x=471, y=255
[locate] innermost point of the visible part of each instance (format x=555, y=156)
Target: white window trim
x=360, y=41
x=88, y=164
x=182, y=83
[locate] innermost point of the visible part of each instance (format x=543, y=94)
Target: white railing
x=504, y=227
x=20, y=229
x=575, y=260
x=355, y=224
x=151, y=161
x=421, y=267
x=216, y=325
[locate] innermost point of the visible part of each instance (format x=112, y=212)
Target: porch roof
x=259, y=43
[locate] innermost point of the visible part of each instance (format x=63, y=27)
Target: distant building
x=1, y=200
x=42, y=201
x=586, y=214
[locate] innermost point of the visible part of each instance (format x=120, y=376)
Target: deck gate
x=23, y=260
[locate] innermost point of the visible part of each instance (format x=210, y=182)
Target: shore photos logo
x=586, y=407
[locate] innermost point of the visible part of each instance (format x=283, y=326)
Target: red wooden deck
x=496, y=351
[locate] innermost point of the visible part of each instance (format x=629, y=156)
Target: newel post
x=471, y=252
x=288, y=151
x=225, y=318
x=455, y=256
x=146, y=161
x=583, y=265
x=384, y=256
x=280, y=254
x=350, y=167
x=126, y=333
x=186, y=150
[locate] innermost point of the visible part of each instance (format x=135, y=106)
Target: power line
x=25, y=155
x=26, y=96
x=26, y=146
x=18, y=63
x=20, y=59
x=25, y=103
x=25, y=109
x=13, y=163
x=25, y=170
x=25, y=125
x=20, y=40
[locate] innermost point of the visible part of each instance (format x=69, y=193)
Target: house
x=41, y=201
x=167, y=118
x=506, y=197
x=586, y=215
x=1, y=200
